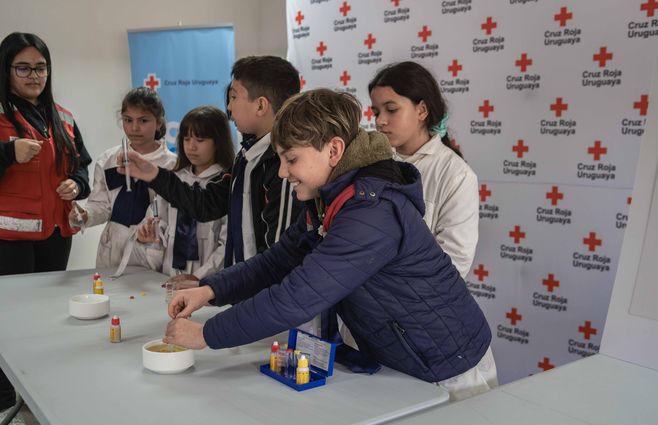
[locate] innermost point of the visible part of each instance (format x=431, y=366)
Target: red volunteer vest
x=29, y=205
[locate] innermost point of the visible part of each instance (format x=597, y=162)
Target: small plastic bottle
x=303, y=375
x=115, y=329
x=96, y=277
x=274, y=357
x=98, y=287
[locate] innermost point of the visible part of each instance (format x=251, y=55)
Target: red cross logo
x=563, y=16
x=368, y=113
x=321, y=48
x=650, y=6
x=592, y=242
x=484, y=193
x=554, y=195
x=513, y=316
x=345, y=8
x=489, y=25
x=587, y=330
x=481, y=272
x=629, y=200
x=152, y=82
x=520, y=149
x=516, y=234
x=597, y=150
x=396, y=3
x=545, y=364
x=455, y=67
x=345, y=78
x=558, y=107
x=299, y=18
x=550, y=283
x=370, y=41
x=425, y=33
x=602, y=57
x=302, y=82
x=486, y=108
x=523, y=62
x=642, y=105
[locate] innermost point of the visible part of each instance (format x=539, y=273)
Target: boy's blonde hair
x=314, y=117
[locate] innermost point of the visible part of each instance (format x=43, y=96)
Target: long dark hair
x=206, y=122
x=12, y=45
x=416, y=83
x=147, y=100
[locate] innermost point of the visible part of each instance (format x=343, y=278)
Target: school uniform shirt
x=123, y=211
x=450, y=191
x=210, y=236
x=252, y=156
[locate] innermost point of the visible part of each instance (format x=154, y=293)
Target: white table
x=69, y=373
x=598, y=390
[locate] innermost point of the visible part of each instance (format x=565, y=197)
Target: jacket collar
x=365, y=149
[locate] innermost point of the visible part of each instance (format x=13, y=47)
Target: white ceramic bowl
x=168, y=362
x=89, y=306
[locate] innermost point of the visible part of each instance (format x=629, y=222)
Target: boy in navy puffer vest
x=360, y=246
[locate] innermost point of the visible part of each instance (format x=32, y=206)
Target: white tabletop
x=598, y=390
x=69, y=373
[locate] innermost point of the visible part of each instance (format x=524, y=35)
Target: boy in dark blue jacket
x=362, y=246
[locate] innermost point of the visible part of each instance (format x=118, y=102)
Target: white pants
x=474, y=381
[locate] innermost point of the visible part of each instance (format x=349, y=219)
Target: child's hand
x=146, y=232
x=187, y=301
x=138, y=167
x=185, y=333
x=77, y=215
x=182, y=281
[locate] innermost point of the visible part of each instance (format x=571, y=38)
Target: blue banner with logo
x=188, y=67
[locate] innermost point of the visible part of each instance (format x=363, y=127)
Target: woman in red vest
x=43, y=166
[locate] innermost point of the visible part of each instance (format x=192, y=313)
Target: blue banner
x=188, y=67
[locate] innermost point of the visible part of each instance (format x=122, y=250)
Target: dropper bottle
x=115, y=329
x=274, y=357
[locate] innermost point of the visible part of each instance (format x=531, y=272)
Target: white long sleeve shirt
x=115, y=237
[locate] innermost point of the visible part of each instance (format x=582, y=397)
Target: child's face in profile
x=243, y=111
x=306, y=168
x=398, y=117
x=200, y=151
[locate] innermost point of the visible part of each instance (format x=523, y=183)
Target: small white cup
x=89, y=306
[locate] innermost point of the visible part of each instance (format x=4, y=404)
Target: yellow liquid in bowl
x=166, y=348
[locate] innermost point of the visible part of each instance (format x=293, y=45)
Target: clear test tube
x=154, y=207
x=126, y=162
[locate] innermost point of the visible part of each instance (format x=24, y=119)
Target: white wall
x=91, y=67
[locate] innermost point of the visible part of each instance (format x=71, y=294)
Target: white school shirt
x=450, y=191
x=211, y=235
x=115, y=238
x=252, y=156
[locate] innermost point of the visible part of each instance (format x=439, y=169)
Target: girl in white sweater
x=411, y=112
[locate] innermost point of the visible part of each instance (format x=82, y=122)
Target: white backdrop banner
x=548, y=100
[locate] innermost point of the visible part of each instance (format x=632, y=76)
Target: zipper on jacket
x=402, y=336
